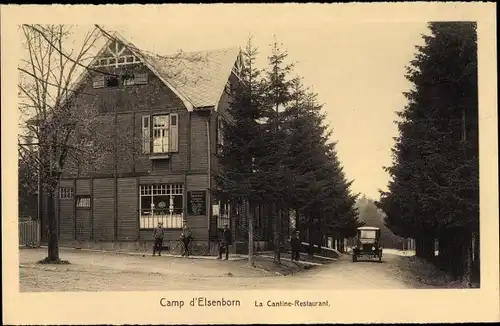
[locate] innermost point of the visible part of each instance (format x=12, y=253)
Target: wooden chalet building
x=175, y=107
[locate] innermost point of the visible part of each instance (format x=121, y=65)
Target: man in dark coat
x=295, y=244
x=227, y=240
x=158, y=234
x=186, y=237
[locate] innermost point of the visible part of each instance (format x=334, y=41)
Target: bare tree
x=61, y=124
x=56, y=129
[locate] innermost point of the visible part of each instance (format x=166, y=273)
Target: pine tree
x=434, y=191
x=270, y=163
x=236, y=179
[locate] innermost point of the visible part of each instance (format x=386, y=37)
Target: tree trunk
x=451, y=257
x=418, y=246
x=276, y=228
x=428, y=248
x=53, y=243
x=310, y=236
x=250, y=234
x=476, y=270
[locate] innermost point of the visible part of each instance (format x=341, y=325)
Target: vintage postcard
x=247, y=164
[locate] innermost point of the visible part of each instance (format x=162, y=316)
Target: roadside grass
x=285, y=268
x=288, y=267
x=426, y=273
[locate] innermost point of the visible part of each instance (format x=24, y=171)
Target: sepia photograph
x=164, y=156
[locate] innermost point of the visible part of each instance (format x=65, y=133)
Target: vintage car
x=367, y=244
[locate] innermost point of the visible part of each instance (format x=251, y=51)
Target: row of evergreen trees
x=277, y=154
x=434, y=192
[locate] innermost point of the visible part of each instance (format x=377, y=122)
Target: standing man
x=158, y=234
x=295, y=244
x=186, y=236
x=227, y=240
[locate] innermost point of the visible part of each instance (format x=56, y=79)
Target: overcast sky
x=357, y=69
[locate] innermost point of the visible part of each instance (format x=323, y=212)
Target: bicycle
x=196, y=248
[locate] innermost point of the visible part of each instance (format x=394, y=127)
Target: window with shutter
x=140, y=79
x=174, y=132
x=146, y=137
x=161, y=134
x=220, y=132
x=99, y=82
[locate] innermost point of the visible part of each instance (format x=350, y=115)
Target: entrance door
x=83, y=224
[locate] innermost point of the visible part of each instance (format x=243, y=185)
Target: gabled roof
x=200, y=76
x=197, y=78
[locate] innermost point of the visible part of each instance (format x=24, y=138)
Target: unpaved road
x=91, y=271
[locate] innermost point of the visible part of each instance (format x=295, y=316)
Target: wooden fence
x=29, y=233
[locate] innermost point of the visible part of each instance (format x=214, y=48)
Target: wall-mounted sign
x=197, y=202
x=215, y=209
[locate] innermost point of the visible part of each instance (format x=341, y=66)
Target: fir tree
x=236, y=179
x=434, y=192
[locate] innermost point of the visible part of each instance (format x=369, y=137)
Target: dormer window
x=111, y=81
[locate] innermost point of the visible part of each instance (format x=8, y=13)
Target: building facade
x=163, y=115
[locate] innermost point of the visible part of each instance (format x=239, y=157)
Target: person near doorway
x=227, y=240
x=158, y=234
x=186, y=237
x=295, y=245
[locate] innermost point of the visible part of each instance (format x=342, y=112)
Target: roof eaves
x=227, y=78
x=187, y=103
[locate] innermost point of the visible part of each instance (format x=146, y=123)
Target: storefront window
x=163, y=203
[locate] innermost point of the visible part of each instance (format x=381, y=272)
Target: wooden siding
x=66, y=219
x=103, y=209
x=197, y=182
x=179, y=160
x=83, y=187
x=199, y=154
x=199, y=226
x=83, y=226
x=126, y=143
x=199, y=233
x=127, y=209
x=170, y=178
x=105, y=131
x=65, y=183
x=161, y=166
x=214, y=164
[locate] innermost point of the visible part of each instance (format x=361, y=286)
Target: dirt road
x=91, y=271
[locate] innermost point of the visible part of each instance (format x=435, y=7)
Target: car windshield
x=367, y=234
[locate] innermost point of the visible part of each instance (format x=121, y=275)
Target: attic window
x=111, y=81
x=136, y=79
x=112, y=61
x=98, y=82
x=130, y=59
x=121, y=60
